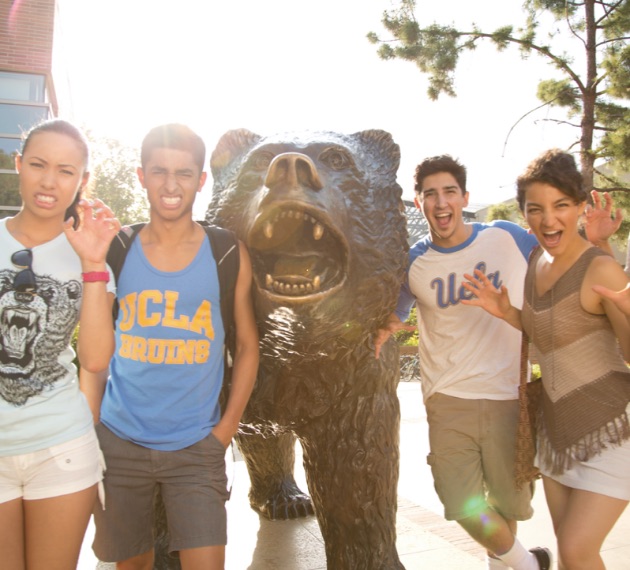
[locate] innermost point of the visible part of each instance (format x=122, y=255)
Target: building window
x=16, y=119
x=23, y=104
x=22, y=87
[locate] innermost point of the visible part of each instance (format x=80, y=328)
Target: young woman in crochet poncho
x=572, y=312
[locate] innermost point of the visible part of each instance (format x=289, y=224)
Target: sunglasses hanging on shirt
x=24, y=280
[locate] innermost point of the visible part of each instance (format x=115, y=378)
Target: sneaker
x=543, y=557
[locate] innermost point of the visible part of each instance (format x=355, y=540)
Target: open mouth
x=443, y=220
x=297, y=253
x=552, y=239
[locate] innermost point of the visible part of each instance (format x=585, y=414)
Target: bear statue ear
x=383, y=151
x=230, y=146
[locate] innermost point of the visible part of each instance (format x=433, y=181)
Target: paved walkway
x=425, y=539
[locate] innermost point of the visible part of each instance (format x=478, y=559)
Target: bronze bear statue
x=322, y=216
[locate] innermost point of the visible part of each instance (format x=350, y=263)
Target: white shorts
x=606, y=474
x=58, y=470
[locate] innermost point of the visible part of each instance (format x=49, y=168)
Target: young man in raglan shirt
x=469, y=362
x=160, y=421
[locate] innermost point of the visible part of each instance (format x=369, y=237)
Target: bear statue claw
x=285, y=508
x=287, y=502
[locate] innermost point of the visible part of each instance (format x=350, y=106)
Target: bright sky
x=277, y=65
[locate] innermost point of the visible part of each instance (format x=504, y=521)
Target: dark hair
x=437, y=164
x=556, y=168
x=63, y=127
x=176, y=136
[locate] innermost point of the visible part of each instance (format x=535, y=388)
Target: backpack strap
x=225, y=250
x=118, y=250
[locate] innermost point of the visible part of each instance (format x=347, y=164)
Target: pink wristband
x=93, y=276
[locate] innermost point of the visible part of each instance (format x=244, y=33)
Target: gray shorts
x=193, y=485
x=472, y=457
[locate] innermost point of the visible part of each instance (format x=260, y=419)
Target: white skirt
x=606, y=474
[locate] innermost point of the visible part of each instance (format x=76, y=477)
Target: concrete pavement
x=425, y=539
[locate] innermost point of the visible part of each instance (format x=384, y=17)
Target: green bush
x=73, y=343
x=407, y=338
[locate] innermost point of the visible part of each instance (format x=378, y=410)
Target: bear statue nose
x=292, y=171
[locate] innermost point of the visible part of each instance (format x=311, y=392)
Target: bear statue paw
x=288, y=502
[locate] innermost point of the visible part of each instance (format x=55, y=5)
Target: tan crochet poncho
x=586, y=381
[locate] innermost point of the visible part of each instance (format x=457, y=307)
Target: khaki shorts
x=58, y=470
x=193, y=485
x=472, y=457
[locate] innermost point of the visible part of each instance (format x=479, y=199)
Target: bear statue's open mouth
x=297, y=253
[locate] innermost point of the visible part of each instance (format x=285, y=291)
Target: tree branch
x=519, y=120
x=559, y=122
x=615, y=189
x=542, y=50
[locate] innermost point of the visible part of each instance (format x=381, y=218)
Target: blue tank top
x=167, y=370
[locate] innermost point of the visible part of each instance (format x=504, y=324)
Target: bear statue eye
x=260, y=161
x=336, y=158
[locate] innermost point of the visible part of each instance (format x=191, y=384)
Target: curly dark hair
x=436, y=164
x=556, y=168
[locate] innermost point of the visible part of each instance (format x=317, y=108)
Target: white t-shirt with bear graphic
x=40, y=401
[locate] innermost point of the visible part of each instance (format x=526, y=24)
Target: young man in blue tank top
x=470, y=364
x=160, y=421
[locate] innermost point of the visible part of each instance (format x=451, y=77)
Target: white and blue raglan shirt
x=464, y=351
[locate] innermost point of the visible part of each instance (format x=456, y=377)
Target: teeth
x=318, y=231
x=268, y=226
x=292, y=289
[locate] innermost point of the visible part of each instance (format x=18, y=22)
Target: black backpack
x=226, y=253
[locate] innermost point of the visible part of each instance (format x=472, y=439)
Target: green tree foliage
x=409, y=338
x=114, y=180
x=9, y=190
x=7, y=162
x=587, y=43
x=505, y=211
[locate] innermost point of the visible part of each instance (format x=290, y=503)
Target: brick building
x=31, y=81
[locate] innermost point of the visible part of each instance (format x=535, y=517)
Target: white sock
x=495, y=563
x=519, y=558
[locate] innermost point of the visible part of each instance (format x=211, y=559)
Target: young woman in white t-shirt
x=52, y=274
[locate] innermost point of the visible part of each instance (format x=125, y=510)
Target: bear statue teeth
x=293, y=289
x=318, y=229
